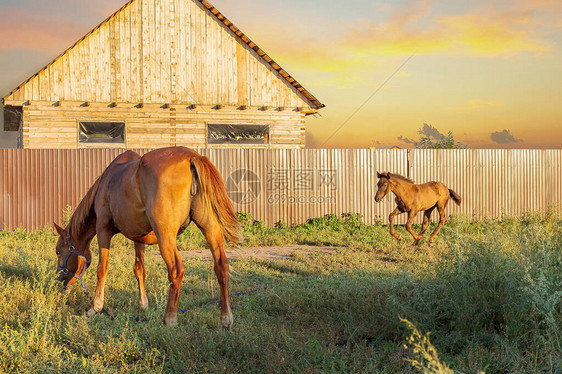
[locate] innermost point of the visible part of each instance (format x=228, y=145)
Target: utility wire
x=366, y=101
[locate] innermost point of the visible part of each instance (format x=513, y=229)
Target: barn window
x=103, y=134
x=238, y=134
x=12, y=117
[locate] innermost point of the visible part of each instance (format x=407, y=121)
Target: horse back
x=428, y=194
x=436, y=187
x=165, y=181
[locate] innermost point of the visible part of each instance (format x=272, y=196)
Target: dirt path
x=265, y=253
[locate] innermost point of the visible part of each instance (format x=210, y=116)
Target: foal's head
x=383, y=186
x=71, y=264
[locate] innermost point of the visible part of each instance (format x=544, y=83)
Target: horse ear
x=387, y=175
x=379, y=175
x=59, y=229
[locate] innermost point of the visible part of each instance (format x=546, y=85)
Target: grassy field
x=489, y=292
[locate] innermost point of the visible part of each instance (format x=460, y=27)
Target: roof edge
x=68, y=49
x=220, y=17
x=275, y=66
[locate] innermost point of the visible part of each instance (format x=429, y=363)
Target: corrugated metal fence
x=294, y=185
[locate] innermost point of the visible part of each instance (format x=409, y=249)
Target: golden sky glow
x=490, y=71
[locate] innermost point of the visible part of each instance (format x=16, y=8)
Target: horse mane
x=84, y=209
x=401, y=178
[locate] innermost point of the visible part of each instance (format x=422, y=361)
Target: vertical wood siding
x=162, y=51
x=36, y=185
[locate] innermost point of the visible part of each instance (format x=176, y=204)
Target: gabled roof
x=292, y=81
x=220, y=17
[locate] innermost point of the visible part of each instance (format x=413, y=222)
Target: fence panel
x=294, y=185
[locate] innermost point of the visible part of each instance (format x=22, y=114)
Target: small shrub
x=425, y=355
x=245, y=220
x=67, y=215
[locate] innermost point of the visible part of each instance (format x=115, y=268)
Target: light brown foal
x=413, y=198
x=151, y=200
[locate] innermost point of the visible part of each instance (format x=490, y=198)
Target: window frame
x=265, y=145
x=101, y=145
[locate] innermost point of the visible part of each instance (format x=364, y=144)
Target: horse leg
x=426, y=220
x=442, y=220
x=411, y=216
x=215, y=240
x=140, y=274
x=394, y=213
x=214, y=235
x=176, y=270
x=104, y=242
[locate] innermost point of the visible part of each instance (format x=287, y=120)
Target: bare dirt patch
x=264, y=253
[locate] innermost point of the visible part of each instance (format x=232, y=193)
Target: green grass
x=489, y=292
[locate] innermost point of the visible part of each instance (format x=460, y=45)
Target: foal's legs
x=104, y=242
x=394, y=213
x=426, y=219
x=140, y=274
x=411, y=216
x=214, y=235
x=442, y=220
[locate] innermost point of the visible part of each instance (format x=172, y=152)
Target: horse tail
x=455, y=196
x=212, y=189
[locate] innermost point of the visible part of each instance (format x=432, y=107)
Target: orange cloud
x=411, y=11
x=486, y=33
x=337, y=52
x=476, y=104
x=23, y=30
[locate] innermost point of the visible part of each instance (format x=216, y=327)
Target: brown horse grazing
x=413, y=198
x=151, y=200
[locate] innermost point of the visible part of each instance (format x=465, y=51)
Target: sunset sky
x=490, y=71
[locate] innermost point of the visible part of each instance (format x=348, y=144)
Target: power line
x=366, y=101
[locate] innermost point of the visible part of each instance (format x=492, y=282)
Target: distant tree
x=441, y=142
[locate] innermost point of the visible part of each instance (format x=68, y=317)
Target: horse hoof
x=92, y=312
x=226, y=321
x=226, y=328
x=171, y=321
x=144, y=305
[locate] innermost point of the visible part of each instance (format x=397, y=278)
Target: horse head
x=71, y=263
x=383, y=186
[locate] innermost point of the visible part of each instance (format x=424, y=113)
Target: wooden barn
x=158, y=73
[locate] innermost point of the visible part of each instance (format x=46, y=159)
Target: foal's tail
x=211, y=186
x=455, y=196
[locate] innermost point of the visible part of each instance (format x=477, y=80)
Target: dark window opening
x=238, y=134
x=12, y=117
x=102, y=132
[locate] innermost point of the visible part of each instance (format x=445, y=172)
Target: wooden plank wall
x=162, y=51
x=55, y=125
x=36, y=185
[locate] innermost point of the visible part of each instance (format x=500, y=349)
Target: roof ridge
x=220, y=17
x=292, y=81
